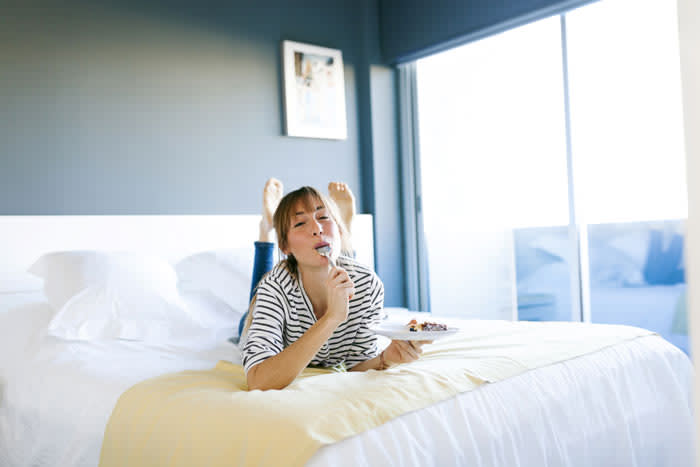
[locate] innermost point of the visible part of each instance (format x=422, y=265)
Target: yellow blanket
x=209, y=418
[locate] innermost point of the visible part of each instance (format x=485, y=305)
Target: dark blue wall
x=133, y=107
x=411, y=29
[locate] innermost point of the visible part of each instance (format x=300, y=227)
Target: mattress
x=628, y=404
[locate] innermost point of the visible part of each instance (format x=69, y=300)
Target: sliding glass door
x=552, y=171
x=491, y=140
x=626, y=120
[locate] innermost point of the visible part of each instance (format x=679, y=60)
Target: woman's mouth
x=321, y=245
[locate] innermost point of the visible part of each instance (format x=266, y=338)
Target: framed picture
x=314, y=91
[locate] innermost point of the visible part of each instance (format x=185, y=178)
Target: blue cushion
x=664, y=267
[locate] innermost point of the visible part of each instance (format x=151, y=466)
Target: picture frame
x=314, y=91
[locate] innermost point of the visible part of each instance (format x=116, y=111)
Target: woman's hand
x=340, y=289
x=404, y=351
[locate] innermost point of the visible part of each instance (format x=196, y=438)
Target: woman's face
x=309, y=230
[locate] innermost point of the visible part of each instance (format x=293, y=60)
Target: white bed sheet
x=626, y=405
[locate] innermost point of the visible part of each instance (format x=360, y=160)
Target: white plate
x=400, y=332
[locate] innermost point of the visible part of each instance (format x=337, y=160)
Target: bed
x=624, y=404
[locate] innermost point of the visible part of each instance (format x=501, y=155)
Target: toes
x=273, y=187
x=338, y=188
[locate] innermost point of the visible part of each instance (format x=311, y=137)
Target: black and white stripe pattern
x=283, y=313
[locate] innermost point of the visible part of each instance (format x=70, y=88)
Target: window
x=491, y=140
x=626, y=121
x=503, y=210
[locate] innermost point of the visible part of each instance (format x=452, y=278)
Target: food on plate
x=414, y=326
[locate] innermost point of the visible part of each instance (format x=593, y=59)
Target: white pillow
x=114, y=295
x=224, y=274
x=19, y=283
x=212, y=312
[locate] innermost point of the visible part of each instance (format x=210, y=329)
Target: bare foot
x=272, y=194
x=342, y=195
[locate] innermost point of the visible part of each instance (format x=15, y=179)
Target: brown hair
x=312, y=199
x=282, y=220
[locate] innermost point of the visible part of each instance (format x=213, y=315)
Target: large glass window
x=491, y=142
x=498, y=202
x=626, y=121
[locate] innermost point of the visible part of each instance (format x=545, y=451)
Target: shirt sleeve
x=265, y=336
x=365, y=345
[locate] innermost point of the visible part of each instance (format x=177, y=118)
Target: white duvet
x=628, y=405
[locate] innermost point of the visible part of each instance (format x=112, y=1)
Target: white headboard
x=23, y=239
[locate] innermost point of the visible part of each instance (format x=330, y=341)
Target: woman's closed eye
x=299, y=224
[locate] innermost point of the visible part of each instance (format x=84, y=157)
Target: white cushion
x=224, y=274
x=114, y=295
x=212, y=312
x=23, y=282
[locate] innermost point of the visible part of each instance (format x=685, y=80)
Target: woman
x=307, y=311
x=339, y=192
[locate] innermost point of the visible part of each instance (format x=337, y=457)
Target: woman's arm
x=279, y=371
x=397, y=352
x=376, y=363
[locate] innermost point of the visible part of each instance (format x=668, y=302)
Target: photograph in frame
x=314, y=91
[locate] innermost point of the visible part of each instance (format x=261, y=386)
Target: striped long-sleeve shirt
x=283, y=313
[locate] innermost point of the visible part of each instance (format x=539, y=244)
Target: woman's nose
x=316, y=227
